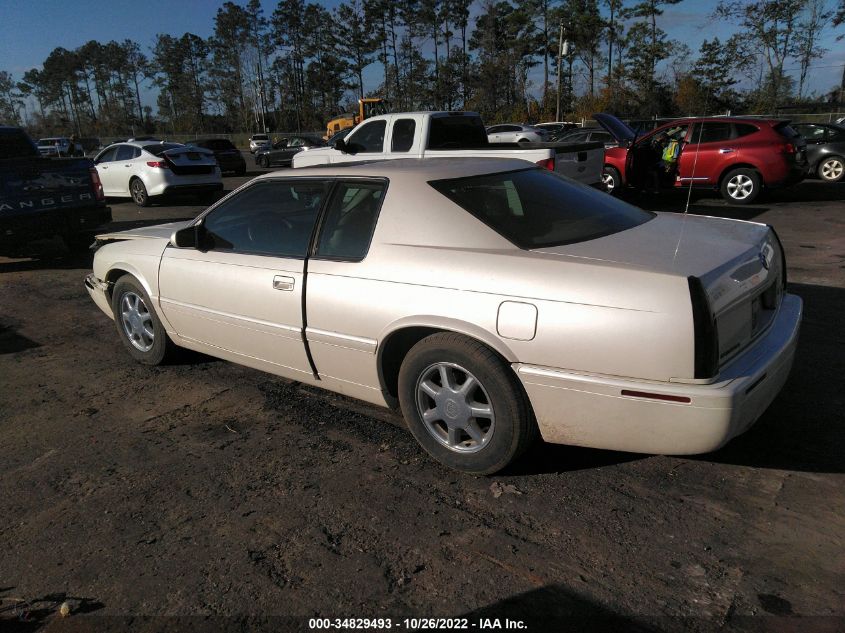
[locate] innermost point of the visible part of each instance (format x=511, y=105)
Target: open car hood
x=619, y=130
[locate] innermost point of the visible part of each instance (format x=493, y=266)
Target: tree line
x=507, y=59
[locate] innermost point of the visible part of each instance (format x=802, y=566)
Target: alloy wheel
x=832, y=169
x=137, y=322
x=740, y=187
x=455, y=407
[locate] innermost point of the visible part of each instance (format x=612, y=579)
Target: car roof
x=424, y=169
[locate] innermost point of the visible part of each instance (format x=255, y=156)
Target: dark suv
x=228, y=156
x=734, y=155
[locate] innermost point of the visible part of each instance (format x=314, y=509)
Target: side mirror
x=340, y=146
x=188, y=237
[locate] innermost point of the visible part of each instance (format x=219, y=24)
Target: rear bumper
x=589, y=410
x=184, y=190
x=233, y=163
x=24, y=227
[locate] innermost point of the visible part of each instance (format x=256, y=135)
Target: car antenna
x=689, y=189
x=694, y=163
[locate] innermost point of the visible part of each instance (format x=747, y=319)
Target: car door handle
x=283, y=283
x=726, y=150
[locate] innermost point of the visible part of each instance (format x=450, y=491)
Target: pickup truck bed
x=41, y=197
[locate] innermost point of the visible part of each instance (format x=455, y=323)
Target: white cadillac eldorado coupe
x=490, y=299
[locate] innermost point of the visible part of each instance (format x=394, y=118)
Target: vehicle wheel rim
x=832, y=169
x=455, y=408
x=138, y=192
x=608, y=181
x=137, y=322
x=740, y=187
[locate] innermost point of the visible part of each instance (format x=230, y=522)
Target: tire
x=523, y=140
x=139, y=192
x=138, y=326
x=741, y=186
x=832, y=169
x=504, y=430
x=612, y=180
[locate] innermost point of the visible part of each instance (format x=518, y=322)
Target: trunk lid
x=190, y=160
x=739, y=264
x=619, y=130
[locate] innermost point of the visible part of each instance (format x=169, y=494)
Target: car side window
x=744, y=129
x=713, y=132
x=811, y=132
x=107, y=156
x=495, y=129
x=124, y=152
x=836, y=134
x=403, y=135
x=268, y=218
x=350, y=220
x=369, y=139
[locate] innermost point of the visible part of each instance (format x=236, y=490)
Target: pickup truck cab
x=451, y=135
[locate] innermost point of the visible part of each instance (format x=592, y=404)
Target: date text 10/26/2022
x=415, y=624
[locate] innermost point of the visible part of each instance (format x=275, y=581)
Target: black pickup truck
x=42, y=197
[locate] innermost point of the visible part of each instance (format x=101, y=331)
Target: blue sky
x=30, y=29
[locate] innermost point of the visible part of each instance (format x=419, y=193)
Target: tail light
x=704, y=328
x=548, y=163
x=787, y=148
x=95, y=182
x=160, y=164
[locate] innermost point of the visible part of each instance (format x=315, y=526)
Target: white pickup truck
x=451, y=134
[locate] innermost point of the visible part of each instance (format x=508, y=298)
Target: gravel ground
x=206, y=496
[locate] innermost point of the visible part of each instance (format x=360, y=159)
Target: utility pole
x=841, y=90
x=559, y=63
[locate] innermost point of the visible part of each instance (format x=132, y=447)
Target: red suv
x=737, y=156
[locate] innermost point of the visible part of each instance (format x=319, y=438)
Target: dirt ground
x=206, y=496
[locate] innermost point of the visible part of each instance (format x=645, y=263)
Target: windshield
x=260, y=137
x=537, y=208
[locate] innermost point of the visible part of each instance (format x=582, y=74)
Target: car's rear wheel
x=611, y=179
x=832, y=169
x=741, y=186
x=464, y=405
x=139, y=192
x=140, y=329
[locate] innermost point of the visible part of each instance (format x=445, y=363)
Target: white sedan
x=490, y=300
x=143, y=170
x=515, y=133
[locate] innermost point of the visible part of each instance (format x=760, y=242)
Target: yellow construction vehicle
x=366, y=109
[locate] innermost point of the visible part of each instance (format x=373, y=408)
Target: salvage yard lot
x=206, y=489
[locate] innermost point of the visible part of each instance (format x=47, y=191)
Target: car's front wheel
x=832, y=169
x=139, y=327
x=611, y=179
x=741, y=186
x=138, y=191
x=464, y=405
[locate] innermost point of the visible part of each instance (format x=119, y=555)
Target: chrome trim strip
x=358, y=343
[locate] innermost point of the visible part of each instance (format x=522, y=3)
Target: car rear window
x=453, y=132
x=217, y=144
x=15, y=144
x=537, y=208
x=786, y=130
